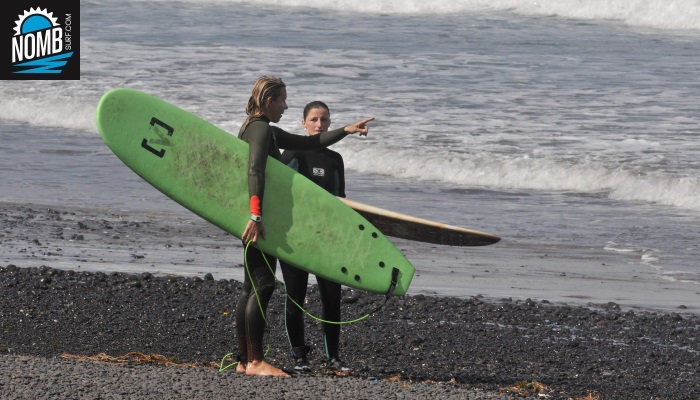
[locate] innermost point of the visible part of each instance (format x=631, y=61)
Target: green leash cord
x=262, y=311
x=281, y=284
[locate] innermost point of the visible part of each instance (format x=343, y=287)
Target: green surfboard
x=204, y=168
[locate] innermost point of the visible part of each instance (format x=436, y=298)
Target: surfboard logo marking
x=162, y=139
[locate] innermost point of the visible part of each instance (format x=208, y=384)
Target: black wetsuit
x=264, y=140
x=325, y=168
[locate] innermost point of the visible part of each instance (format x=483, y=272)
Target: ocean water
x=568, y=128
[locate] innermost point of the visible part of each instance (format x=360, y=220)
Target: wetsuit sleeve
x=287, y=156
x=290, y=159
x=286, y=140
x=258, y=138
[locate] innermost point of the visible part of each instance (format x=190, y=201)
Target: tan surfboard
x=421, y=230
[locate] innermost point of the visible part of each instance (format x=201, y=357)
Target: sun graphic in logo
x=34, y=20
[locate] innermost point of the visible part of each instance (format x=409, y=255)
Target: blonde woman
x=266, y=104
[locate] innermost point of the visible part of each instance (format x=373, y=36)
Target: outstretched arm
x=286, y=140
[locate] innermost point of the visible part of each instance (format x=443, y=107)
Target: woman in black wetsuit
x=324, y=167
x=266, y=104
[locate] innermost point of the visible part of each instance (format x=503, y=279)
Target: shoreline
x=422, y=345
x=178, y=242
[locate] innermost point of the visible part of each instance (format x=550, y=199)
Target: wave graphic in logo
x=38, y=43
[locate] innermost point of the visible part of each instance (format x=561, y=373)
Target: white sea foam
x=612, y=246
x=522, y=173
x=651, y=259
x=660, y=14
x=58, y=111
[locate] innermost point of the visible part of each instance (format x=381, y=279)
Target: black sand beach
x=52, y=318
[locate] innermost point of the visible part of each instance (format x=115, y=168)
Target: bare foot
x=240, y=367
x=261, y=368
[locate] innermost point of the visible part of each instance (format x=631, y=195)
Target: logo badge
x=318, y=172
x=43, y=44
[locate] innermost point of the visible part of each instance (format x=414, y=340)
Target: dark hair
x=315, y=104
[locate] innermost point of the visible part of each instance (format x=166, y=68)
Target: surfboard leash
x=262, y=311
x=390, y=292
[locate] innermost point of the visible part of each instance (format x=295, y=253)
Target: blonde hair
x=265, y=87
